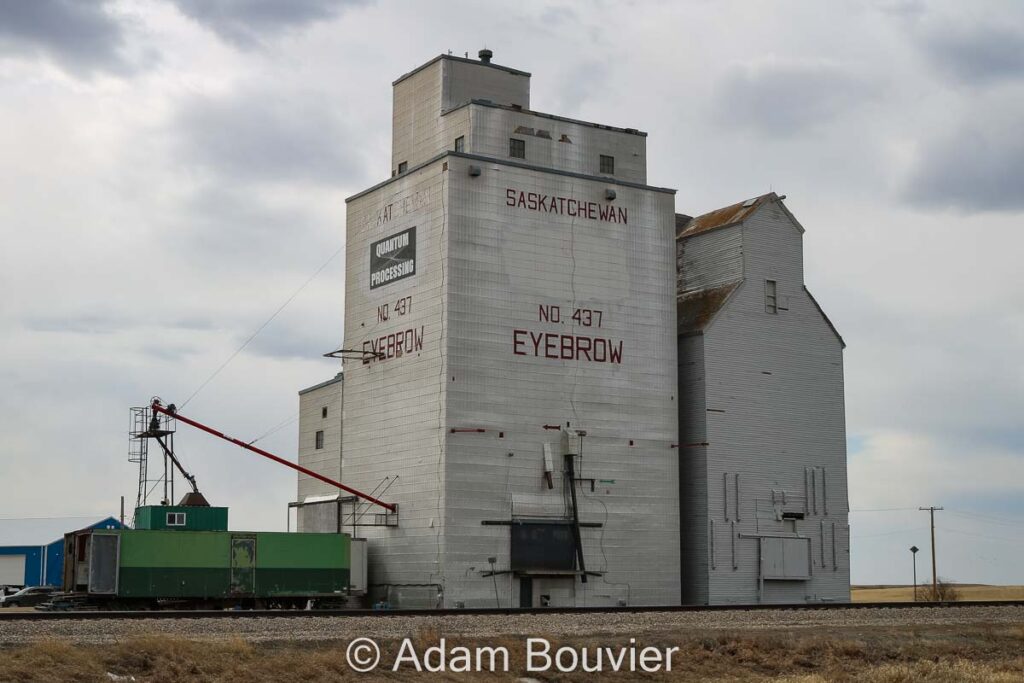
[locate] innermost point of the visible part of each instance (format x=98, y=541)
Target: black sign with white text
x=393, y=258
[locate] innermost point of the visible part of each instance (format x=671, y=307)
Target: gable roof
x=827, y=320
x=45, y=530
x=695, y=310
x=727, y=216
x=724, y=217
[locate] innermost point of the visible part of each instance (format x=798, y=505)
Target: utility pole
x=935, y=582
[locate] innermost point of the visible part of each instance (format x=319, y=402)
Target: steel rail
x=492, y=611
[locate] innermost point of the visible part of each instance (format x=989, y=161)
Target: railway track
x=86, y=615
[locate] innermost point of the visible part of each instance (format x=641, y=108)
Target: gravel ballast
x=267, y=629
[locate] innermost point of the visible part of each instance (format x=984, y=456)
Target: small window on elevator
x=771, y=299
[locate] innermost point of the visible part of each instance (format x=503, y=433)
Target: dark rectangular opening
x=540, y=546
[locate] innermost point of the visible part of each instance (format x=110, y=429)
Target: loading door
x=243, y=565
x=12, y=570
x=103, y=563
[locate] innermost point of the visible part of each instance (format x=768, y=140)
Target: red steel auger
x=171, y=411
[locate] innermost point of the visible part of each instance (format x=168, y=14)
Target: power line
x=891, y=533
x=974, y=535
x=277, y=428
x=988, y=518
x=265, y=323
x=882, y=509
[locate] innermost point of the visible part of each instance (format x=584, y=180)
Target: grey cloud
x=977, y=54
x=82, y=37
x=785, y=98
x=298, y=341
x=977, y=167
x=235, y=230
x=246, y=22
x=269, y=136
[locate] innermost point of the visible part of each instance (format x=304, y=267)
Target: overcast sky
x=173, y=170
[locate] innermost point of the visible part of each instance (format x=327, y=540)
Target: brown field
x=906, y=593
x=873, y=654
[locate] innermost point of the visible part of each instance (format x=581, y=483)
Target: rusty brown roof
x=694, y=310
x=721, y=218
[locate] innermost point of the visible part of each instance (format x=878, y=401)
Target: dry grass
x=876, y=655
x=906, y=593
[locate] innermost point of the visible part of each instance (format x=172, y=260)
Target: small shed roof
x=721, y=218
x=45, y=530
x=694, y=310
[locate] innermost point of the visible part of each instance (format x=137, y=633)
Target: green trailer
x=191, y=558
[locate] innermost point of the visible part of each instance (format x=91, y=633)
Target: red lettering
x=532, y=201
x=570, y=207
x=510, y=197
x=567, y=347
x=516, y=342
x=522, y=200
x=583, y=347
x=617, y=353
x=418, y=341
x=550, y=345
x=603, y=211
x=623, y=215
x=590, y=210
x=601, y=350
x=536, y=339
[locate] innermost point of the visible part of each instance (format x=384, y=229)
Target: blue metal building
x=32, y=550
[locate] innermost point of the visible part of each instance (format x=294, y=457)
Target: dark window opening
x=323, y=412
x=517, y=148
x=792, y=515
x=607, y=164
x=403, y=167
x=771, y=299
x=320, y=439
x=460, y=143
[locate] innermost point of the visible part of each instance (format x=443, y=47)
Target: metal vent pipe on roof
x=485, y=55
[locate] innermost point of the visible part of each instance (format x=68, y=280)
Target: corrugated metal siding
x=693, y=468
x=493, y=127
x=709, y=259
x=419, y=131
x=505, y=263
x=394, y=410
x=775, y=408
x=326, y=460
x=466, y=81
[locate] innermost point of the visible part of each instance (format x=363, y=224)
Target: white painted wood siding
x=775, y=412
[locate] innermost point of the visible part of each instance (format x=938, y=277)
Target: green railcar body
x=213, y=565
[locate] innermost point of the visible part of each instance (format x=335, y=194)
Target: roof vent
x=485, y=55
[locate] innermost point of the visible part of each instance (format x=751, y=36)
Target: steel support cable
x=264, y=325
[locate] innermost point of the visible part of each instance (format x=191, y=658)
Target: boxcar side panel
x=171, y=564
x=301, y=564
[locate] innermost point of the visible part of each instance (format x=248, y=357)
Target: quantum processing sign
x=393, y=258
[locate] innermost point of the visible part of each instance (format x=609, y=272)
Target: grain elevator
x=510, y=360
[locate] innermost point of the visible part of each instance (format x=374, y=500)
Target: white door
x=12, y=570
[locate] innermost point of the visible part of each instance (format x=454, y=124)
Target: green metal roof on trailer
x=181, y=518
